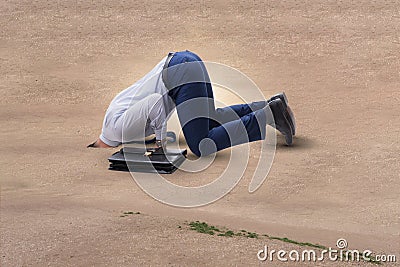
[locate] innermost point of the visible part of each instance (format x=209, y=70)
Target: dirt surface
x=63, y=61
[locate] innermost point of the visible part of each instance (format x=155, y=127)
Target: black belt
x=165, y=68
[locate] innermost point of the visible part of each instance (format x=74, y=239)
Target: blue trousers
x=207, y=129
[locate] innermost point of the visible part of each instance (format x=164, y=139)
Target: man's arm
x=99, y=143
x=157, y=117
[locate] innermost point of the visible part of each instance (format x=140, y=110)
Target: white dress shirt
x=138, y=111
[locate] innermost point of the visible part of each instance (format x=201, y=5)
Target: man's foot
x=282, y=96
x=290, y=116
x=281, y=119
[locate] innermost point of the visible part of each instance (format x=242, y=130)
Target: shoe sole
x=288, y=136
x=289, y=113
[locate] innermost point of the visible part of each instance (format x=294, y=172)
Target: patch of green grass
x=287, y=240
x=228, y=233
x=251, y=235
x=203, y=227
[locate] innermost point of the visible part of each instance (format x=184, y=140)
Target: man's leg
x=231, y=113
x=220, y=115
x=195, y=107
x=194, y=115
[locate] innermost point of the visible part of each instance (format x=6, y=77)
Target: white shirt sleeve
x=157, y=117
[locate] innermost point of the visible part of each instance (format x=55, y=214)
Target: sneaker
x=282, y=124
x=290, y=116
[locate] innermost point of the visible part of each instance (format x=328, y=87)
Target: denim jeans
x=207, y=129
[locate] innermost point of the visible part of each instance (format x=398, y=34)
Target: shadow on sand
x=299, y=143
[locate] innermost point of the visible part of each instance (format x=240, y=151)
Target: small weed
x=126, y=213
x=228, y=233
x=287, y=240
x=252, y=235
x=203, y=227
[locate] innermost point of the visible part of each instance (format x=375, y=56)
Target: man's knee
x=204, y=147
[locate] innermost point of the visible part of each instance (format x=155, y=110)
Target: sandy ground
x=63, y=61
